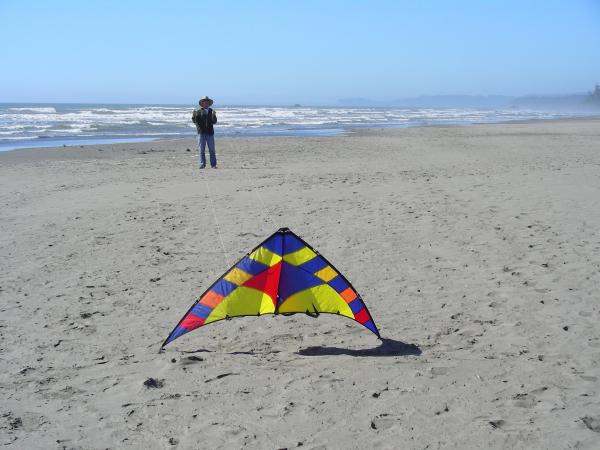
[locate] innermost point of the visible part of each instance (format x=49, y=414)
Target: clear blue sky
x=309, y=52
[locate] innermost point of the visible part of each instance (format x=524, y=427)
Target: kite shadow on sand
x=388, y=347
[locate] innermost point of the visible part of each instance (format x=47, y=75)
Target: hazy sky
x=278, y=52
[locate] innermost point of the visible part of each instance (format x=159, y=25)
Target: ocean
x=50, y=125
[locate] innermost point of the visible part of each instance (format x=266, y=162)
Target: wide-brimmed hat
x=207, y=99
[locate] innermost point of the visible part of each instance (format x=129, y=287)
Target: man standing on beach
x=204, y=118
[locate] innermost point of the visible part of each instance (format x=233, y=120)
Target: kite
x=282, y=275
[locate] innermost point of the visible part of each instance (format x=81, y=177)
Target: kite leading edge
x=282, y=275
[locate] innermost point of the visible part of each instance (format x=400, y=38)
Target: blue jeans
x=203, y=140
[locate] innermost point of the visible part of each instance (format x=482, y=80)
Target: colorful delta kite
x=283, y=275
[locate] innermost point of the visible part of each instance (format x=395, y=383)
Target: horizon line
x=298, y=104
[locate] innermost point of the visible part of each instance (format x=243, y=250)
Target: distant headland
x=567, y=102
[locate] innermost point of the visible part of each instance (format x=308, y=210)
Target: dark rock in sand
x=154, y=383
x=497, y=423
x=193, y=358
x=16, y=423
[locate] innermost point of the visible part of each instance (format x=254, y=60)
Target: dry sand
x=477, y=250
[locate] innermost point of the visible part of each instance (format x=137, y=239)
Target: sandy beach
x=476, y=249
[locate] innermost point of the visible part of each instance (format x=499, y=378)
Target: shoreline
x=321, y=132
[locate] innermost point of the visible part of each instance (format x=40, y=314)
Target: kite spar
x=282, y=275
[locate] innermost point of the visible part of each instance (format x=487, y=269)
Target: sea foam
x=65, y=121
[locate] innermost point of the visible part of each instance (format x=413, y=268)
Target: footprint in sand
x=524, y=401
x=439, y=371
x=384, y=422
x=593, y=423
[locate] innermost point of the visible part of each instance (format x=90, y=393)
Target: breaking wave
x=34, y=110
x=24, y=122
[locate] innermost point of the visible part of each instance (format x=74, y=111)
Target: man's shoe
x=203, y=166
x=213, y=167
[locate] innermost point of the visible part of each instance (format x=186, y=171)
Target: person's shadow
x=388, y=347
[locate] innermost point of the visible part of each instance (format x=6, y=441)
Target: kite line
x=264, y=206
x=212, y=204
x=254, y=188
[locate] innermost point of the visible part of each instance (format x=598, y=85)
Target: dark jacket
x=204, y=121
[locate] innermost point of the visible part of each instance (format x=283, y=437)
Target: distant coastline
x=578, y=102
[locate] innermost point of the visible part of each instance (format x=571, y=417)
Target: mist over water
x=27, y=125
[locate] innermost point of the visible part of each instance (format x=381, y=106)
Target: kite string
x=212, y=204
x=264, y=206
